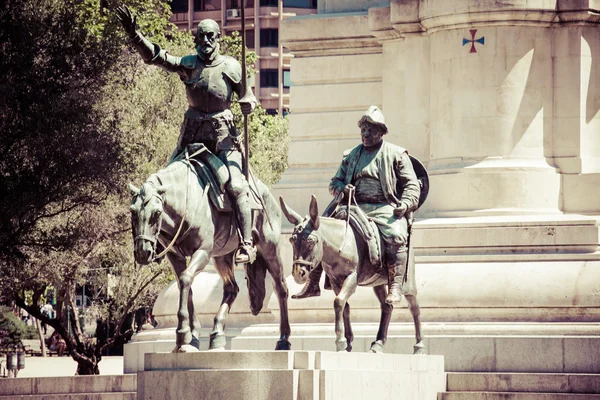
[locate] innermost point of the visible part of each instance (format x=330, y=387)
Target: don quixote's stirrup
x=245, y=254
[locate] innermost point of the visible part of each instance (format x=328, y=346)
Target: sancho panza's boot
x=247, y=252
x=397, y=258
x=311, y=287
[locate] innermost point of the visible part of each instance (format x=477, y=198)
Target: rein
x=350, y=198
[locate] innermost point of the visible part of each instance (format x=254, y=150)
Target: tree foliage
x=81, y=115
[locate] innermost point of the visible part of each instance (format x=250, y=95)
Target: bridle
x=153, y=240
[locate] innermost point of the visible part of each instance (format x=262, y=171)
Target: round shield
x=423, y=178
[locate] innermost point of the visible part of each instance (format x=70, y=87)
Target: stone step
x=524, y=382
x=75, y=396
x=291, y=375
x=514, y=396
x=71, y=385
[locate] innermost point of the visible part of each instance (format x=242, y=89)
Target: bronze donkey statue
x=343, y=254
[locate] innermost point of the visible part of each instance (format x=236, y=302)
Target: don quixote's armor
x=211, y=81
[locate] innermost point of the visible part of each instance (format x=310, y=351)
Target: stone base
x=293, y=375
x=466, y=347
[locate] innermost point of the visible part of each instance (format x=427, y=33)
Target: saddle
x=214, y=175
x=366, y=229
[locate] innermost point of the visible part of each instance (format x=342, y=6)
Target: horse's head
x=146, y=218
x=306, y=240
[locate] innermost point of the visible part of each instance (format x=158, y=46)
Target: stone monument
x=500, y=100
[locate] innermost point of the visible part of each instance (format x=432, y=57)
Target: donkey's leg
x=348, y=334
x=197, y=263
x=384, y=320
x=224, y=266
x=413, y=306
x=339, y=303
x=271, y=255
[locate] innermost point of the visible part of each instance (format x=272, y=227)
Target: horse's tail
x=256, y=274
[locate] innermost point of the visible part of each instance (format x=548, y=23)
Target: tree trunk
x=87, y=369
x=41, y=336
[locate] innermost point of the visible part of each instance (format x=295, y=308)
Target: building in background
x=272, y=83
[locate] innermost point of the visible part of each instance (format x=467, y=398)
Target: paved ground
x=65, y=366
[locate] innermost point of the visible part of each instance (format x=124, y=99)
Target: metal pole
x=245, y=89
x=280, y=61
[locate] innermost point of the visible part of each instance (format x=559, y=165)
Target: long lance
x=245, y=89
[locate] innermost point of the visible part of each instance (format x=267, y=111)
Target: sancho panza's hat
x=374, y=116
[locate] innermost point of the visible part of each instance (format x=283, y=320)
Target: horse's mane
x=168, y=174
x=175, y=176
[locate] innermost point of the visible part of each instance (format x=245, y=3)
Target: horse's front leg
x=224, y=266
x=184, y=279
x=339, y=304
x=270, y=253
x=415, y=310
x=384, y=320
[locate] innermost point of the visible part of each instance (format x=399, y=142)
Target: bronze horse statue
x=344, y=257
x=172, y=212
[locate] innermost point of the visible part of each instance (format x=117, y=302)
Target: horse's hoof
x=183, y=336
x=341, y=345
x=419, y=348
x=377, y=347
x=349, y=348
x=218, y=341
x=283, y=345
x=186, y=348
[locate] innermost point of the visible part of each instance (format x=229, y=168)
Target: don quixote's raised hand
x=128, y=20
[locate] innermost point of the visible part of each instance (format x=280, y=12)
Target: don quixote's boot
x=246, y=253
x=396, y=263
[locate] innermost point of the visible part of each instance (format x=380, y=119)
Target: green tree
x=64, y=159
x=81, y=116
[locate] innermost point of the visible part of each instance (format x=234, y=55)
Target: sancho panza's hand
x=400, y=210
x=128, y=20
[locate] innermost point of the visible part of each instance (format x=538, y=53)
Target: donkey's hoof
x=186, y=348
x=377, y=347
x=218, y=341
x=195, y=342
x=341, y=345
x=419, y=348
x=283, y=345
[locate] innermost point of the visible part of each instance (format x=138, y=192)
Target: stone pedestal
x=500, y=100
x=293, y=375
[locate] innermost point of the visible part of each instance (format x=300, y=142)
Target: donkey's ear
x=134, y=191
x=290, y=214
x=314, y=212
x=162, y=188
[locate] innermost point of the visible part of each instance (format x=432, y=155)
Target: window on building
x=300, y=3
x=269, y=38
x=287, y=82
x=268, y=78
x=207, y=5
x=250, y=41
x=179, y=6
x=290, y=3
x=272, y=111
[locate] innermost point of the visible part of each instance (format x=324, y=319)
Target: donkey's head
x=306, y=240
x=146, y=218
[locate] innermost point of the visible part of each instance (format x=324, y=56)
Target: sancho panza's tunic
x=384, y=178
